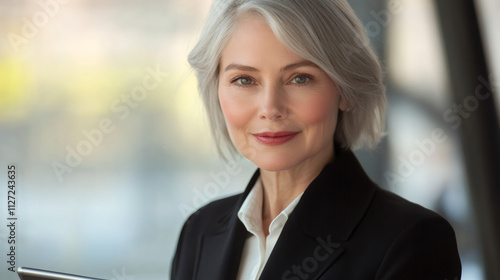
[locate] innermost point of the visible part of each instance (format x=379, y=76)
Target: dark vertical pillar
x=474, y=114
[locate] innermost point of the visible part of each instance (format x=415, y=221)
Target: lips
x=275, y=138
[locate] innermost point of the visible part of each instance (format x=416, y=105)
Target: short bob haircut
x=325, y=32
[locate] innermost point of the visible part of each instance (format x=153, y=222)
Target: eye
x=302, y=79
x=243, y=81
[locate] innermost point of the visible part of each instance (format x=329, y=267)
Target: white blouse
x=258, y=247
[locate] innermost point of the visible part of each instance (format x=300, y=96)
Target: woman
x=292, y=85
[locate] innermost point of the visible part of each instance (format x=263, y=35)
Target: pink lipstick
x=275, y=138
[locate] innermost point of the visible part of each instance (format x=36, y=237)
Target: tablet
x=26, y=273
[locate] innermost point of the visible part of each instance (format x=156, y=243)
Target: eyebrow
x=299, y=64
x=241, y=67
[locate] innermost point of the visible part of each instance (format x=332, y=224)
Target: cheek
x=320, y=111
x=320, y=122
x=236, y=114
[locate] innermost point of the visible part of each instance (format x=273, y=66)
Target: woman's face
x=280, y=109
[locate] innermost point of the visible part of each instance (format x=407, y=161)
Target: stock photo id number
x=11, y=221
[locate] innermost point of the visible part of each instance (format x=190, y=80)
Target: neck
x=282, y=187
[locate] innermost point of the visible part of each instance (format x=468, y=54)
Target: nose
x=273, y=103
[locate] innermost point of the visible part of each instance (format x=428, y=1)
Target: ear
x=343, y=106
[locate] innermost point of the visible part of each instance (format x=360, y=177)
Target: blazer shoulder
x=406, y=216
x=398, y=208
x=213, y=212
x=209, y=218
x=417, y=242
x=390, y=216
x=423, y=245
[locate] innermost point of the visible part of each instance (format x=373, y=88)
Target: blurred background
x=100, y=114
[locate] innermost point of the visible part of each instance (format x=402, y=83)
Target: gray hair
x=325, y=32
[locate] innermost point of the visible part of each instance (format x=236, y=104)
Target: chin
x=274, y=162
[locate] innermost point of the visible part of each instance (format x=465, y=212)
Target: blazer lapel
x=222, y=247
x=313, y=237
x=299, y=256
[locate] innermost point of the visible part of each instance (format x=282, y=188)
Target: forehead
x=253, y=41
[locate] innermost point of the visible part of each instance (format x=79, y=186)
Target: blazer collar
x=337, y=199
x=222, y=246
x=340, y=194
x=329, y=210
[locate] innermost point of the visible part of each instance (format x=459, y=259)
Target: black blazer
x=344, y=227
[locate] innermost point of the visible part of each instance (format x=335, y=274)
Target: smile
x=275, y=138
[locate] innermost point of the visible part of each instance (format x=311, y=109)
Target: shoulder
x=394, y=217
x=210, y=218
x=400, y=212
x=418, y=243
x=212, y=214
x=397, y=207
